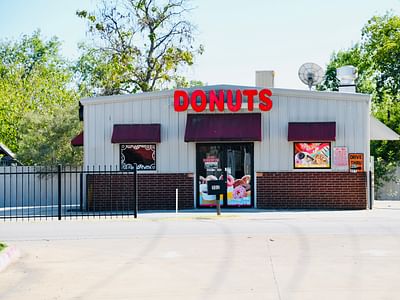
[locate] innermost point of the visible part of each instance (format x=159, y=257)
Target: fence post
x=81, y=191
x=136, y=191
x=371, y=182
x=59, y=190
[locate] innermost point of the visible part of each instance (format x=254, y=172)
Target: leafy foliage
x=182, y=82
x=45, y=137
x=34, y=81
x=381, y=42
x=377, y=59
x=138, y=45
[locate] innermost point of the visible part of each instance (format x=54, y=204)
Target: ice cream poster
x=312, y=155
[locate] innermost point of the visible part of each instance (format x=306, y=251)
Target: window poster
x=144, y=156
x=356, y=162
x=312, y=155
x=340, y=158
x=211, y=162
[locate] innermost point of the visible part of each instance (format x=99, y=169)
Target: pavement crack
x=271, y=263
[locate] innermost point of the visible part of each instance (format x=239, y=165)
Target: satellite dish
x=311, y=74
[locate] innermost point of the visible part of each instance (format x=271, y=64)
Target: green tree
x=182, y=82
x=34, y=80
x=46, y=137
x=377, y=58
x=138, y=45
x=381, y=43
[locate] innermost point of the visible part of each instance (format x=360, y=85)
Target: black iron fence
x=67, y=192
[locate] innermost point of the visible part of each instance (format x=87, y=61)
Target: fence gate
x=60, y=192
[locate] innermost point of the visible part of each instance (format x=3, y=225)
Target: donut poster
x=312, y=155
x=238, y=191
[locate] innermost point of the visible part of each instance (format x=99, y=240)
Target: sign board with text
x=356, y=162
x=216, y=187
x=215, y=100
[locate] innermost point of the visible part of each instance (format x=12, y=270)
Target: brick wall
x=315, y=190
x=155, y=191
x=296, y=190
x=109, y=192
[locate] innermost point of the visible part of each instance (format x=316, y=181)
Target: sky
x=239, y=36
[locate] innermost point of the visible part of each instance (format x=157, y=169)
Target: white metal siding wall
x=274, y=153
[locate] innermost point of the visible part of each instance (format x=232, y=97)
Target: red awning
x=312, y=131
x=78, y=140
x=136, y=133
x=223, y=127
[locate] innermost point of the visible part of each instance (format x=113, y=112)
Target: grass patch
x=2, y=246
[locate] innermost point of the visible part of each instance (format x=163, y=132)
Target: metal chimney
x=347, y=75
x=265, y=79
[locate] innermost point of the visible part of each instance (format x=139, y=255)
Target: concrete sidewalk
x=388, y=204
x=196, y=255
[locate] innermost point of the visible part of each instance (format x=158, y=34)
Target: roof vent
x=347, y=76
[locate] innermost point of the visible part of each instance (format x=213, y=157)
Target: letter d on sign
x=178, y=95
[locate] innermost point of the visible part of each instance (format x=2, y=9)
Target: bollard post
x=176, y=201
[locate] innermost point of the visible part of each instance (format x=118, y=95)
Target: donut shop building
x=277, y=148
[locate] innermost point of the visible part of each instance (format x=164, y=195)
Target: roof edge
x=275, y=92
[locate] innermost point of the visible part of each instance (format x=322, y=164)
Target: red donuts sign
x=215, y=100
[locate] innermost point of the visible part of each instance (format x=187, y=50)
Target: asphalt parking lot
x=196, y=255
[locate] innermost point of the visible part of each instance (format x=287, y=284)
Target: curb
x=8, y=256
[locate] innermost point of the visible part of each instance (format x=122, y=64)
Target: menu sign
x=356, y=162
x=340, y=158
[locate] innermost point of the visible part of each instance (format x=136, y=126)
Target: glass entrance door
x=210, y=166
x=239, y=174
x=231, y=160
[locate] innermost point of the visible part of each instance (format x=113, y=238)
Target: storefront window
x=142, y=155
x=312, y=155
x=233, y=160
